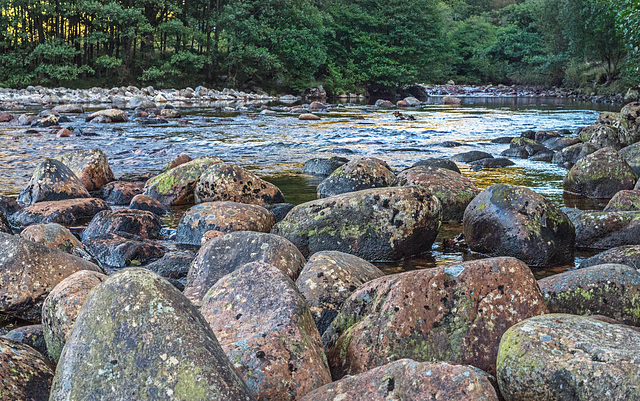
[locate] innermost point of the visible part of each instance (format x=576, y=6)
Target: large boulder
x=600, y=175
x=228, y=182
x=631, y=154
x=572, y=154
x=559, y=142
x=109, y=115
x=137, y=337
x=222, y=216
x=374, y=224
x=328, y=279
x=66, y=212
x=24, y=374
x=630, y=123
x=471, y=156
x=568, y=357
x=624, y=201
x=322, y=166
x=409, y=380
x=602, y=136
x=222, y=255
x=116, y=251
x=136, y=222
x=176, y=186
x=57, y=237
x=625, y=255
x=605, y=230
x=507, y=220
x=610, y=290
x=144, y=202
x=438, y=162
x=62, y=305
x=52, y=181
x=91, y=166
x=356, y=175
x=454, y=313
x=28, y=272
x=264, y=326
x=453, y=190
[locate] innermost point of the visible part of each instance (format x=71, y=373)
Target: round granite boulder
x=374, y=224
x=356, y=175
x=605, y=230
x=52, y=181
x=455, y=313
x=624, y=201
x=58, y=237
x=123, y=221
x=67, y=212
x=570, y=155
x=438, y=162
x=625, y=255
x=91, y=166
x=121, y=192
x=138, y=338
x=322, y=166
x=24, y=373
x=567, y=357
x=264, y=326
x=471, y=156
x=507, y=220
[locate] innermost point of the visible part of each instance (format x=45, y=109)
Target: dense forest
x=346, y=45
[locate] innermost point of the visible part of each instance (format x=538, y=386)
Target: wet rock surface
x=66, y=212
x=374, y=224
x=90, y=166
x=562, y=357
x=228, y=182
x=455, y=313
x=222, y=216
x=24, y=373
x=438, y=162
x=222, y=255
x=506, y=220
x=328, y=279
x=626, y=255
x=471, y=156
x=611, y=290
x=62, y=305
x=605, y=230
x=356, y=175
x=409, y=380
x=265, y=327
x=123, y=221
x=121, y=192
x=142, y=339
x=52, y=181
x=28, y=272
x=453, y=190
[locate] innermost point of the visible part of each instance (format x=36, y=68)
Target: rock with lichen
x=228, y=182
x=24, y=374
x=52, y=181
x=356, y=175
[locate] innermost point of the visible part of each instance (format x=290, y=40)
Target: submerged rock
x=137, y=337
x=222, y=255
x=264, y=326
x=600, y=175
x=62, y=305
x=91, y=166
x=66, y=212
x=374, y=224
x=222, y=216
x=610, y=290
x=228, y=182
x=24, y=373
x=455, y=313
x=567, y=357
x=28, y=272
x=328, y=279
x=409, y=380
x=52, y=181
x=453, y=190
x=356, y=175
x=507, y=220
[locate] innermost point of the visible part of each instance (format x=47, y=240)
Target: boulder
x=66, y=212
x=601, y=136
x=383, y=103
x=228, y=182
x=137, y=337
x=356, y=175
x=24, y=373
x=610, y=290
x=328, y=279
x=455, y=313
x=136, y=222
x=222, y=255
x=5, y=226
x=279, y=210
x=605, y=230
x=631, y=154
x=8, y=205
x=264, y=326
x=630, y=123
x=507, y=220
x=147, y=203
x=28, y=272
x=453, y=190
x=471, y=156
x=559, y=143
x=91, y=166
x=52, y=181
x=374, y=224
x=308, y=117
x=222, y=216
x=109, y=115
x=121, y=193
x=173, y=266
x=141, y=102
x=122, y=250
x=625, y=255
x=57, y=237
x=178, y=161
x=321, y=166
x=32, y=336
x=62, y=305
x=493, y=162
x=409, y=380
x=570, y=155
x=438, y=162
x=568, y=357
x=624, y=200
x=69, y=108
x=175, y=187
x=600, y=175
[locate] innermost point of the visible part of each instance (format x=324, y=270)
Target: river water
x=275, y=147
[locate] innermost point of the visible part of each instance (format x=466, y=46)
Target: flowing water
x=275, y=147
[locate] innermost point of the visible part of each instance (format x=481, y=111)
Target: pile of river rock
x=255, y=299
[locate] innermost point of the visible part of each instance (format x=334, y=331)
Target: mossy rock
x=631, y=154
x=52, y=181
x=572, y=154
x=624, y=201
